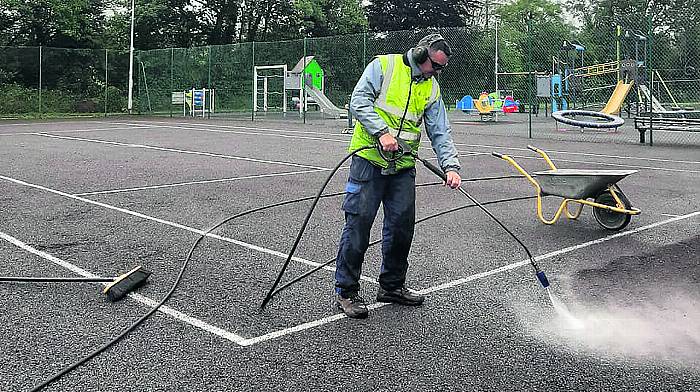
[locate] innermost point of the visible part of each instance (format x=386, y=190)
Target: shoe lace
x=356, y=298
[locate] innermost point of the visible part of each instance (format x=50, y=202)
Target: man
x=394, y=96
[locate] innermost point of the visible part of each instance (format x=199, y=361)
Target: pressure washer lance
x=118, y=288
x=539, y=273
x=403, y=149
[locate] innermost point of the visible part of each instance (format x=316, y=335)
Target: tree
x=268, y=20
x=158, y=24
x=59, y=23
x=321, y=18
x=392, y=15
x=548, y=31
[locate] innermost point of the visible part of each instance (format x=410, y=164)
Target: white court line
x=579, y=153
x=248, y=133
x=51, y=123
x=177, y=184
x=303, y=327
x=461, y=281
x=147, y=124
x=176, y=125
x=628, y=166
x=75, y=130
x=457, y=144
x=180, y=226
x=462, y=153
x=208, y=154
x=137, y=297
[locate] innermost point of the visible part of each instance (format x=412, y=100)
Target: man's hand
x=388, y=142
x=453, y=179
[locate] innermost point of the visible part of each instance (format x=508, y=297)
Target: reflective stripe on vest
x=381, y=102
x=408, y=136
x=390, y=106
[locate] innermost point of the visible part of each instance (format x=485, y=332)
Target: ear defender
x=420, y=52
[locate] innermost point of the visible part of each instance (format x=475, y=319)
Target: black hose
x=375, y=242
x=441, y=174
x=272, y=291
x=306, y=222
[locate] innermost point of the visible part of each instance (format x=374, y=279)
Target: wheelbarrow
x=611, y=208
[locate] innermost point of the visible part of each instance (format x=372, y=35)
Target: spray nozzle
x=543, y=279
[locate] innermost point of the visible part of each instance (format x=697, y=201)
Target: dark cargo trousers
x=365, y=190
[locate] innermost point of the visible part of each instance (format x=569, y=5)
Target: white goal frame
x=265, y=92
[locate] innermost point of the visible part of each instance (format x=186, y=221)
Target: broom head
x=122, y=285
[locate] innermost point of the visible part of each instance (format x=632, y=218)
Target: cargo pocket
x=351, y=202
x=362, y=170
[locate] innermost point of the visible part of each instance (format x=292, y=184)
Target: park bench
x=643, y=123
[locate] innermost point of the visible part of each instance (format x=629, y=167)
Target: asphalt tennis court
x=102, y=196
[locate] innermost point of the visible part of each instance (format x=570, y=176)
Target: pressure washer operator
x=395, y=95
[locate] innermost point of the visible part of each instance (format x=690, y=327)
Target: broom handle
x=46, y=279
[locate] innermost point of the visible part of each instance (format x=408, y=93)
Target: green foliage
x=74, y=80
x=391, y=15
x=116, y=101
x=321, y=18
x=547, y=32
x=60, y=23
x=18, y=99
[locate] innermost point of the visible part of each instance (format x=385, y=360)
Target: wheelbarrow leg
x=562, y=208
x=576, y=214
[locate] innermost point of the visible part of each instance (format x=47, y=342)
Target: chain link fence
x=45, y=82
x=504, y=78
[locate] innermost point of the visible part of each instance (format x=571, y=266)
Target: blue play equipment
x=564, y=67
x=466, y=104
x=559, y=93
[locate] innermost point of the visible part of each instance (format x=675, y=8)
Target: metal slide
x=656, y=106
x=325, y=104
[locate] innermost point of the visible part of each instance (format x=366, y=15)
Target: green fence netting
x=505, y=57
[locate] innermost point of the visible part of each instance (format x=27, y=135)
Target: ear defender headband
x=420, y=52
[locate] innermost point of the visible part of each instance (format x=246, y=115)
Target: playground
x=304, y=84
x=571, y=93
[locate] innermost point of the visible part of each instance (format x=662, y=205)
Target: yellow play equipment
x=617, y=98
x=486, y=110
x=483, y=105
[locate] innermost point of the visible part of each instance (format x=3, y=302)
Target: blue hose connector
x=543, y=279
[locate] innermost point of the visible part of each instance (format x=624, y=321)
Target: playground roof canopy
x=304, y=62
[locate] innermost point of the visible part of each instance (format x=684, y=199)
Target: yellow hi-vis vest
x=390, y=106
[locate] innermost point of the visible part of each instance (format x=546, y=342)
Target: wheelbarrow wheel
x=612, y=220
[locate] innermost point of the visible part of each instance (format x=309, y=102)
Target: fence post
x=208, y=81
x=529, y=76
x=650, y=71
x=618, y=32
x=172, y=64
x=106, y=80
x=303, y=83
x=252, y=96
x=40, y=50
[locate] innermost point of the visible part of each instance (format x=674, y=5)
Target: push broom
x=116, y=289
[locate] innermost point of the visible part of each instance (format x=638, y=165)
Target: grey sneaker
x=353, y=307
x=400, y=296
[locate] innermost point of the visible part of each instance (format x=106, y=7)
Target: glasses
x=436, y=66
